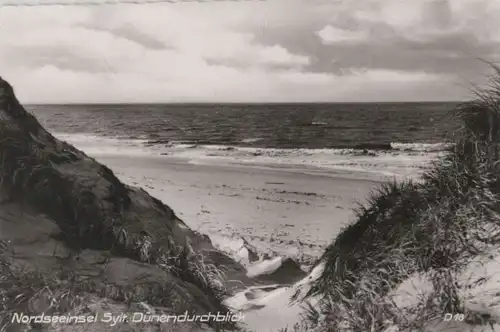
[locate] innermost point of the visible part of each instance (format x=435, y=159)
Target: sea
x=375, y=140
x=315, y=135
x=279, y=126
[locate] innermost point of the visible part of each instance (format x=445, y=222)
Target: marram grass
x=433, y=227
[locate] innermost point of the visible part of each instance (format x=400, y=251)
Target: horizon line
x=240, y=103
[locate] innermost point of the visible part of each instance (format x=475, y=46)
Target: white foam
x=383, y=163
x=101, y=145
x=251, y=140
x=426, y=147
x=406, y=160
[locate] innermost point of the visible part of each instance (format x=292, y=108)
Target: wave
x=409, y=147
x=252, y=140
x=314, y=123
x=391, y=159
x=105, y=145
x=104, y=142
x=421, y=147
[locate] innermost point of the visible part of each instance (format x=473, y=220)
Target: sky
x=249, y=51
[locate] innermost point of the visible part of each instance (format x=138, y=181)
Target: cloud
x=438, y=36
x=294, y=50
x=330, y=34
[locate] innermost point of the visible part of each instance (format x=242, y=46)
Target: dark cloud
x=439, y=49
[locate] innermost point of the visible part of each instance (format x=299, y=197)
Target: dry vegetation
x=431, y=228
x=34, y=172
x=65, y=291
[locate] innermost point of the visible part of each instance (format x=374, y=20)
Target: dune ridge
x=421, y=252
x=74, y=236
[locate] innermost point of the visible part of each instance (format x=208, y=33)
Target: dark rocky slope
x=68, y=224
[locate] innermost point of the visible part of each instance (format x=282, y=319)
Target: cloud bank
x=257, y=51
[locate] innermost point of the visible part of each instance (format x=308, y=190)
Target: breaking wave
x=391, y=159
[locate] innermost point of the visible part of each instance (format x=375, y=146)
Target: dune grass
x=66, y=291
x=431, y=227
x=30, y=173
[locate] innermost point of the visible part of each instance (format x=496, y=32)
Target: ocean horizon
x=265, y=125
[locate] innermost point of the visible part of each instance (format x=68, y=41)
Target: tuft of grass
x=194, y=268
x=432, y=228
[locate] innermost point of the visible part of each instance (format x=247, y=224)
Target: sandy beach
x=261, y=206
x=280, y=211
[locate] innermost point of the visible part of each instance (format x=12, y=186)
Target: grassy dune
x=432, y=228
x=120, y=244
